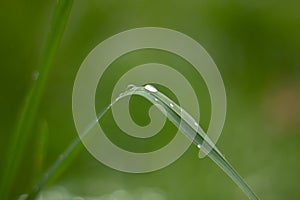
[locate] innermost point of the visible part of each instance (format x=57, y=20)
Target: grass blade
x=28, y=113
x=193, y=131
x=179, y=118
x=69, y=152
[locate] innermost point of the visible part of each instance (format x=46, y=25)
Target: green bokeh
x=256, y=46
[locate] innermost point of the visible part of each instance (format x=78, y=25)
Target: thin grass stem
x=29, y=110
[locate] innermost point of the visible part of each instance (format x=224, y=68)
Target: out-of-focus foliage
x=256, y=46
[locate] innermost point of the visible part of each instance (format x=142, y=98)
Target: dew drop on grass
x=130, y=87
x=199, y=146
x=35, y=75
x=155, y=99
x=23, y=196
x=171, y=105
x=150, y=88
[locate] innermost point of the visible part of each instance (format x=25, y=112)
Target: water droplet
x=150, y=88
x=155, y=99
x=130, y=87
x=199, y=146
x=23, y=197
x=35, y=75
x=171, y=105
x=195, y=123
x=61, y=157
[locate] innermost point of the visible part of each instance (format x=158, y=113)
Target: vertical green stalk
x=40, y=142
x=28, y=113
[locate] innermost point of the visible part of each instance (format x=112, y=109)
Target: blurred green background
x=256, y=46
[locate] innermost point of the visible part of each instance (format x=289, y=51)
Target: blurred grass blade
x=28, y=113
x=70, y=151
x=40, y=150
x=178, y=117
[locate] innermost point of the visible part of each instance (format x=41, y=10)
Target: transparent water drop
x=23, y=197
x=199, y=146
x=35, y=75
x=78, y=198
x=195, y=123
x=150, y=88
x=171, y=105
x=61, y=157
x=130, y=87
x=155, y=99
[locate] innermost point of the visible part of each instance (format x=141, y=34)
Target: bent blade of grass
x=29, y=110
x=186, y=124
x=179, y=117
